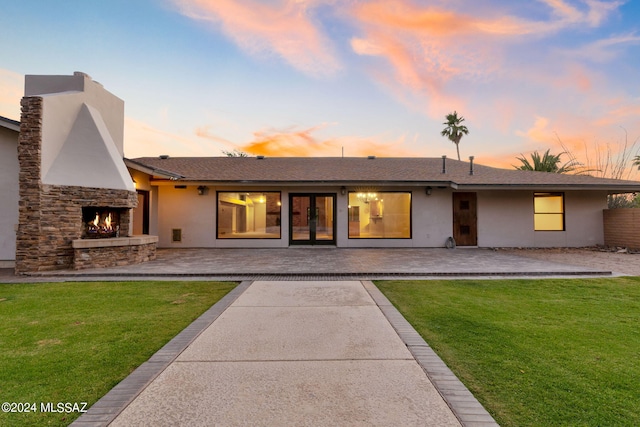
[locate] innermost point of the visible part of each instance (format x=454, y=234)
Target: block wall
x=622, y=227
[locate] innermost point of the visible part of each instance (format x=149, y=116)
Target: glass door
x=312, y=219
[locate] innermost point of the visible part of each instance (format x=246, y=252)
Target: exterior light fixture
x=343, y=190
x=202, y=190
x=428, y=191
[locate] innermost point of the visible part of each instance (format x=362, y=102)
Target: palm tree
x=546, y=163
x=454, y=130
x=636, y=161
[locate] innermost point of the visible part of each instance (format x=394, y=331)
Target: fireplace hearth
x=100, y=222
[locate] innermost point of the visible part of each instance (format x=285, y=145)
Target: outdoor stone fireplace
x=102, y=222
x=76, y=195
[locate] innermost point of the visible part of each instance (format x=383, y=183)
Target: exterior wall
x=622, y=227
x=505, y=219
x=9, y=170
x=195, y=215
x=50, y=216
x=78, y=147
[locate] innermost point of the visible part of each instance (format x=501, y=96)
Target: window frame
x=410, y=193
x=231, y=237
x=562, y=206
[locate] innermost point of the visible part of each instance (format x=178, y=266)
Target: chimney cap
x=164, y=156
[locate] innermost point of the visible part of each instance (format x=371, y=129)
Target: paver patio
x=366, y=263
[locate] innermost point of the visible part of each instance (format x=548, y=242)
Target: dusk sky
x=316, y=77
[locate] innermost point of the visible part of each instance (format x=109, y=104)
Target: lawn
x=72, y=342
x=535, y=352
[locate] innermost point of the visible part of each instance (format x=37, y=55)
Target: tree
x=235, y=153
x=636, y=161
x=546, y=163
x=454, y=130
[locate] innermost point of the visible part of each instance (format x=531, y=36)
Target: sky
x=344, y=77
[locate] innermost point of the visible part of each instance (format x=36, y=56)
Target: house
x=9, y=169
x=69, y=199
x=269, y=202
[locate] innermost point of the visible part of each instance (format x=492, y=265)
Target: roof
x=366, y=171
x=10, y=124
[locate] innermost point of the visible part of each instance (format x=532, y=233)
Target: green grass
x=535, y=352
x=72, y=342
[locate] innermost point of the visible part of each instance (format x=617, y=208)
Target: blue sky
x=314, y=77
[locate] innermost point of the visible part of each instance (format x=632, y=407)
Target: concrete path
x=276, y=353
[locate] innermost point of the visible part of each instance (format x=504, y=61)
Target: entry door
x=465, y=219
x=312, y=219
x=141, y=214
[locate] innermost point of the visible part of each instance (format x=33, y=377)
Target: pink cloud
x=434, y=52
x=596, y=144
x=605, y=49
x=284, y=28
x=597, y=11
x=305, y=143
x=142, y=139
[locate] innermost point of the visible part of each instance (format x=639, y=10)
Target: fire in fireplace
x=100, y=222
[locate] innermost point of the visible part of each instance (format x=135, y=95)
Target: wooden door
x=465, y=219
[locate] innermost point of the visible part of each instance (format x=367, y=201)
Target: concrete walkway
x=275, y=353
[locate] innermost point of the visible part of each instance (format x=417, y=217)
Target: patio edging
x=109, y=406
x=466, y=408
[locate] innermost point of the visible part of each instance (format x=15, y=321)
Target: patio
x=329, y=264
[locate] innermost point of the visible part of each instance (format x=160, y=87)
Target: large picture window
x=254, y=215
x=379, y=215
x=548, y=211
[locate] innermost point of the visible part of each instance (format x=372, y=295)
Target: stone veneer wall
x=113, y=252
x=622, y=227
x=50, y=216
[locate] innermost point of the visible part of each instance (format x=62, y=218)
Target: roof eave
x=151, y=170
x=10, y=124
x=611, y=188
x=188, y=181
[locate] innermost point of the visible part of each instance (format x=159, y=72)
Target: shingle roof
x=350, y=170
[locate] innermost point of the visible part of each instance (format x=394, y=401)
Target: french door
x=312, y=219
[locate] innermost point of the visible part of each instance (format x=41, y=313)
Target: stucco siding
x=184, y=209
x=505, y=219
x=9, y=195
x=585, y=223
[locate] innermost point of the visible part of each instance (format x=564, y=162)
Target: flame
x=107, y=222
x=97, y=220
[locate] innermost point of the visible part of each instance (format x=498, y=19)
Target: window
x=548, y=211
x=379, y=215
x=254, y=215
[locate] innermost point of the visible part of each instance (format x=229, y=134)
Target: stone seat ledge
x=114, y=241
